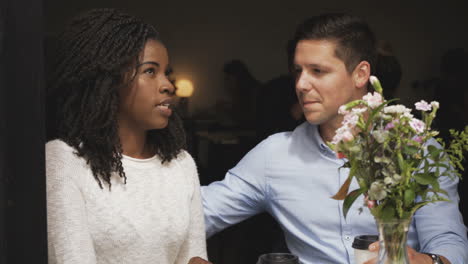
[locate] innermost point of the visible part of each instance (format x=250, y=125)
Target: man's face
x=322, y=82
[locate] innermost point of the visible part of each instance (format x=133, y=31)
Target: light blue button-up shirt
x=293, y=175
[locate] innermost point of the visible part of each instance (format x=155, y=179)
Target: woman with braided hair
x=120, y=187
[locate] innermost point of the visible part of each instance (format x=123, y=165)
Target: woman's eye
x=149, y=71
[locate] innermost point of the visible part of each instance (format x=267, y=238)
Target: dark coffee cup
x=278, y=258
x=361, y=246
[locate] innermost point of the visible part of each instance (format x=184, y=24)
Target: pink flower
x=389, y=126
x=373, y=100
x=350, y=120
x=418, y=139
x=358, y=111
x=347, y=136
x=396, y=109
x=423, y=106
x=342, y=134
x=340, y=155
x=370, y=204
x=417, y=125
x=342, y=110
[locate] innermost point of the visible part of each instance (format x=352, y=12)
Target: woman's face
x=146, y=103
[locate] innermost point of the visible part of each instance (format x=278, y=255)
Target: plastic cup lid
x=278, y=258
x=363, y=242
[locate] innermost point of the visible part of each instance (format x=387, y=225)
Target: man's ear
x=361, y=74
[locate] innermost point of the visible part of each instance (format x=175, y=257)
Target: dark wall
x=22, y=180
x=202, y=35
x=2, y=139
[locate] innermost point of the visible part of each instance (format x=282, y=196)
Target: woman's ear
x=361, y=74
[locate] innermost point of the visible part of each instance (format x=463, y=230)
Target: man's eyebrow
x=313, y=65
x=309, y=66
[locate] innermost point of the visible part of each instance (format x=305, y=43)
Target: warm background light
x=184, y=88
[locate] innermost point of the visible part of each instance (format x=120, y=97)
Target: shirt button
x=347, y=237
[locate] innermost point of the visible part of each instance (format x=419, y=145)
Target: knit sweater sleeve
x=195, y=242
x=69, y=240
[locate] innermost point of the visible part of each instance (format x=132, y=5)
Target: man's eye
x=317, y=70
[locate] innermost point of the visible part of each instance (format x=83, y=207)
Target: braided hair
x=93, y=56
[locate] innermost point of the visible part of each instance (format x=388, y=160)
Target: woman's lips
x=165, y=107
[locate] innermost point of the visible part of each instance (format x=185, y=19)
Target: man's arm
x=440, y=226
x=240, y=195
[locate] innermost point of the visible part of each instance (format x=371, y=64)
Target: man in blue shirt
x=293, y=175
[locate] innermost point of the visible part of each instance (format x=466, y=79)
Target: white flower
x=376, y=84
x=417, y=125
x=389, y=181
x=377, y=191
x=373, y=80
x=397, y=177
x=342, y=110
x=342, y=134
x=396, y=109
x=348, y=136
x=380, y=135
x=423, y=106
x=408, y=115
x=359, y=110
x=435, y=104
x=373, y=100
x=350, y=120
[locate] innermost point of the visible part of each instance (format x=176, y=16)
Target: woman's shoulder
x=63, y=164
x=58, y=150
x=186, y=160
x=58, y=145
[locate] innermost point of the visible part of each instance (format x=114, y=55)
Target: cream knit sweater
x=156, y=217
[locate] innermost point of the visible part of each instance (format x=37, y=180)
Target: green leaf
x=410, y=150
x=434, y=152
x=388, y=212
x=349, y=200
x=424, y=178
x=439, y=165
x=401, y=163
x=409, y=197
x=436, y=186
x=419, y=205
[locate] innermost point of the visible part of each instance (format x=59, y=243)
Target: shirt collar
x=322, y=146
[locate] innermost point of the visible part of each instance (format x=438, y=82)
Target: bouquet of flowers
x=395, y=157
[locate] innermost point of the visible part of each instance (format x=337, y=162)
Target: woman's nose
x=168, y=88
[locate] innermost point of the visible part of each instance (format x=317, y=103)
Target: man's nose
x=303, y=83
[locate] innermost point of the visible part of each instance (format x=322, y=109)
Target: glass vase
x=392, y=239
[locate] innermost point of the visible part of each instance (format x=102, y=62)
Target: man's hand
x=198, y=260
x=413, y=256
